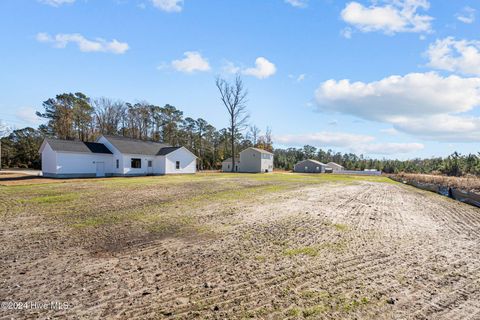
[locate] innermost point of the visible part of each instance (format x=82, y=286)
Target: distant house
x=335, y=167
x=113, y=156
x=227, y=165
x=310, y=166
x=253, y=160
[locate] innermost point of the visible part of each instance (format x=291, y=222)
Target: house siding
x=188, y=162
x=49, y=161
x=254, y=161
x=79, y=164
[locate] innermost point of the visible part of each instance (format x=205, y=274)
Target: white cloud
x=455, y=55
x=28, y=115
x=354, y=142
x=192, y=62
x=98, y=45
x=325, y=138
x=301, y=77
x=467, y=15
x=168, y=5
x=298, y=78
x=388, y=148
x=262, y=70
x=56, y=3
x=393, y=17
x=389, y=131
x=424, y=104
x=297, y=3
x=230, y=67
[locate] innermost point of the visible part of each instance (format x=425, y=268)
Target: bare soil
x=233, y=246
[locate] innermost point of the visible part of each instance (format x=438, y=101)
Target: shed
x=227, y=165
x=310, y=166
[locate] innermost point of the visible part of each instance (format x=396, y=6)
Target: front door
x=100, y=169
x=150, y=167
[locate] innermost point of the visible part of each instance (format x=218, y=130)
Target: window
x=149, y=163
x=118, y=163
x=177, y=165
x=228, y=166
x=136, y=163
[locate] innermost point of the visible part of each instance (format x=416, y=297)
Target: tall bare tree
x=108, y=115
x=234, y=97
x=254, y=134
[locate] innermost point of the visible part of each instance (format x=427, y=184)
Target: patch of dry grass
x=468, y=183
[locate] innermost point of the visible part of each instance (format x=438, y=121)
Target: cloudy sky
x=386, y=78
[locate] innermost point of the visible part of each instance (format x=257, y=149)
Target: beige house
x=253, y=160
x=335, y=166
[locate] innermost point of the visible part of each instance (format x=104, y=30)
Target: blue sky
x=392, y=78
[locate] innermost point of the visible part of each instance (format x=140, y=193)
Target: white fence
x=363, y=173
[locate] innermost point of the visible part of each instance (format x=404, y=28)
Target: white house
x=113, y=156
x=253, y=160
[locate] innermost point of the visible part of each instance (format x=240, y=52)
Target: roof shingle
x=77, y=146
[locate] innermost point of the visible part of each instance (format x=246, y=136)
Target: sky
x=385, y=78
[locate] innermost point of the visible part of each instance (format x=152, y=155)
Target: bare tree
x=253, y=134
x=234, y=97
x=4, y=129
x=268, y=140
x=108, y=115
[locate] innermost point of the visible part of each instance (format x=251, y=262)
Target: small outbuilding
x=310, y=166
x=335, y=167
x=227, y=165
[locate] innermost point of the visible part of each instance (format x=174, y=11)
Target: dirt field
x=238, y=246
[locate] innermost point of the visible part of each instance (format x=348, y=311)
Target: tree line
x=73, y=116
x=453, y=165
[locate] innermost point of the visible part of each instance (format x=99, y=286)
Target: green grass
x=77, y=201
x=54, y=199
x=340, y=226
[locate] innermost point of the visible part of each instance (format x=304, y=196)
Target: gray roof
x=314, y=161
x=259, y=150
x=334, y=164
x=135, y=146
x=77, y=146
x=166, y=150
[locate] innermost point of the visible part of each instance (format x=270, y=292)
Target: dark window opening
x=149, y=163
x=136, y=163
x=118, y=163
x=177, y=165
